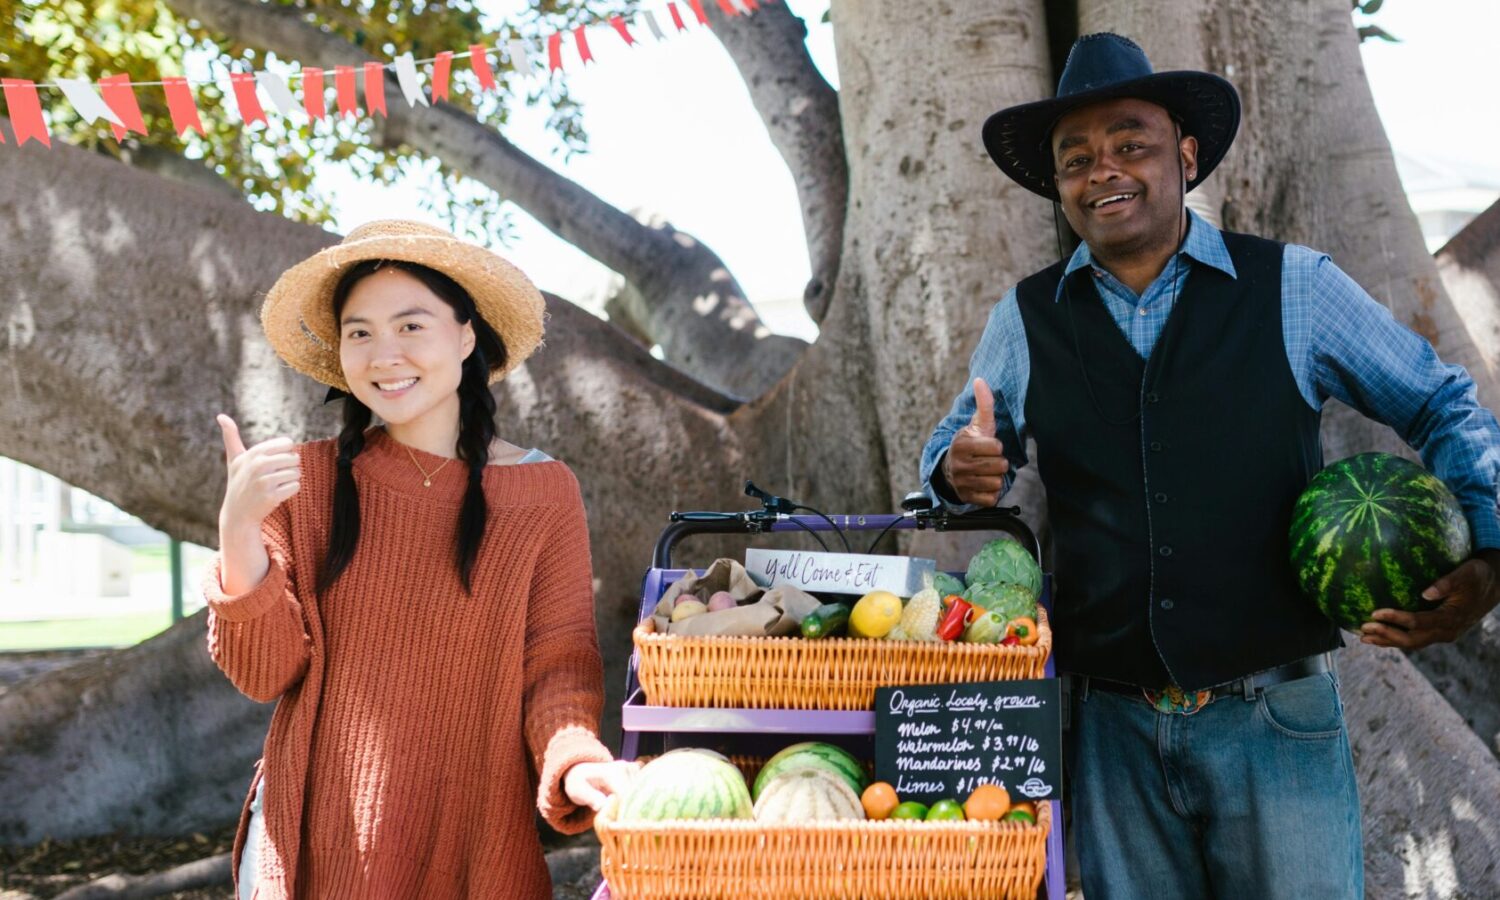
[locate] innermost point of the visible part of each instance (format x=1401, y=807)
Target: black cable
x=817, y=537
x=883, y=532
x=830, y=522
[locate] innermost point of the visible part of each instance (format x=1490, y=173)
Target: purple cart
x=654, y=729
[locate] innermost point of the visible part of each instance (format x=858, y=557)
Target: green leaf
x=1371, y=7
x=1375, y=31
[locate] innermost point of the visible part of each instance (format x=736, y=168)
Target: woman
x=417, y=595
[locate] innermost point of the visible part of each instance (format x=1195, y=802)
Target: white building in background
x=1445, y=196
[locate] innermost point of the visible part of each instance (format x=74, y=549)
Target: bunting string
x=113, y=97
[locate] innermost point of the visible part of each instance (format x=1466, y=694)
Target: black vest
x=1170, y=528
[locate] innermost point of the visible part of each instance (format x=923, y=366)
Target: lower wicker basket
x=899, y=860
x=832, y=673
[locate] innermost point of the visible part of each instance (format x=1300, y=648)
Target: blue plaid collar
x=1204, y=244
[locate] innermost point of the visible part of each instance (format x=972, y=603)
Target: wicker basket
x=899, y=860
x=831, y=673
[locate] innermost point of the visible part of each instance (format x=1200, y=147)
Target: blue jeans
x=1244, y=798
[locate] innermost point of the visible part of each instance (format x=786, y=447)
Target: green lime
x=1019, y=815
x=946, y=811
x=911, y=809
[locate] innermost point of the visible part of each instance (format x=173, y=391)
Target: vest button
x=1165, y=550
x=1153, y=397
x=1161, y=498
x=1156, y=446
x=1167, y=605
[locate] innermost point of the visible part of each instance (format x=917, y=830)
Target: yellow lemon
x=875, y=614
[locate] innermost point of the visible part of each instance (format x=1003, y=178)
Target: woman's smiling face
x=402, y=348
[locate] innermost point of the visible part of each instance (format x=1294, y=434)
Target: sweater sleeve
x=564, y=677
x=259, y=638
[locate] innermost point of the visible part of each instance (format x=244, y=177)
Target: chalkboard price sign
x=942, y=741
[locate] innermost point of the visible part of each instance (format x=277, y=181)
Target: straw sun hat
x=298, y=312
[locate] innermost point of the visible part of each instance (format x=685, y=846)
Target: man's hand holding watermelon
x=1467, y=594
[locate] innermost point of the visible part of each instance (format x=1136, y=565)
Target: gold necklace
x=426, y=475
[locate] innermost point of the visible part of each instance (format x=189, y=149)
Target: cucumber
x=826, y=620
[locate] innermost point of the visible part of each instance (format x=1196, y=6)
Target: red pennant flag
x=181, y=105
x=244, y=96
x=752, y=5
x=343, y=86
x=697, y=6
x=729, y=8
x=312, y=93
x=676, y=17
x=25, y=111
x=554, y=52
x=618, y=24
x=481, y=65
x=583, y=46
x=440, y=68
x=119, y=95
x=375, y=88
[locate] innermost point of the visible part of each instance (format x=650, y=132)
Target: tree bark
x=801, y=112
x=700, y=314
x=213, y=871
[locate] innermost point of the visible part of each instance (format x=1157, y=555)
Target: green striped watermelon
x=686, y=784
x=1373, y=531
x=813, y=755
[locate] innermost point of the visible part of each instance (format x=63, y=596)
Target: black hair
x=476, y=426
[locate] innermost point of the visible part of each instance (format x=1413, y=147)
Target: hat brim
x=298, y=318
x=1019, y=138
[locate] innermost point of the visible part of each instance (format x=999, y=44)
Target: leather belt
x=1246, y=687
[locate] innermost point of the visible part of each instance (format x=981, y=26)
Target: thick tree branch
x=801, y=112
x=700, y=315
x=213, y=871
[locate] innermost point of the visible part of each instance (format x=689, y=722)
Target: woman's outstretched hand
x=591, y=784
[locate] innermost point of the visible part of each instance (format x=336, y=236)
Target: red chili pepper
x=1010, y=641
x=955, y=621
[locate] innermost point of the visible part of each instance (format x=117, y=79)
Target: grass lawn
x=108, y=631
x=150, y=558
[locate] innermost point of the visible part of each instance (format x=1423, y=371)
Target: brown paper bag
x=760, y=612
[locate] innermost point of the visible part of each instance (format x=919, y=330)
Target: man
x=1172, y=377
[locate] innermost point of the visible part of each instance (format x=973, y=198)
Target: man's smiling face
x=1118, y=175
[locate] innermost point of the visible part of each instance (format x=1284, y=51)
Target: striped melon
x=686, y=784
x=1373, y=531
x=815, y=755
x=807, y=795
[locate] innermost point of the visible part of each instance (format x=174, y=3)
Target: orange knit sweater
x=418, y=729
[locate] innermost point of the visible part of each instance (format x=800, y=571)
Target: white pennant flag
x=741, y=6
x=411, y=82
x=275, y=87
x=89, y=104
x=655, y=28
x=519, y=57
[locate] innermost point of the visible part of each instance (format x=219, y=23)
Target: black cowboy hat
x=1107, y=66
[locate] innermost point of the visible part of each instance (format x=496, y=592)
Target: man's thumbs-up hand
x=260, y=478
x=975, y=465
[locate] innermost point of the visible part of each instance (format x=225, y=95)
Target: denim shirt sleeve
x=1345, y=344
x=1004, y=362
